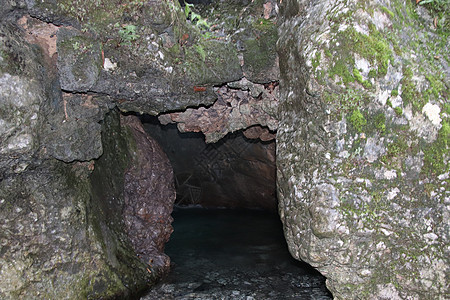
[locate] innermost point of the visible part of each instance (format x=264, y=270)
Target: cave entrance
x=235, y=172
x=228, y=241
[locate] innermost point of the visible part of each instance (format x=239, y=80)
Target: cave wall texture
x=361, y=114
x=362, y=146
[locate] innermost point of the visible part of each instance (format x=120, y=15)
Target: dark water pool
x=234, y=254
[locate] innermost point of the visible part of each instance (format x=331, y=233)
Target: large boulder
x=149, y=194
x=362, y=146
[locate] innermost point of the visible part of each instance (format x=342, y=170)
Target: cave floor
x=233, y=254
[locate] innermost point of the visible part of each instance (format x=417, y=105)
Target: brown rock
x=239, y=105
x=149, y=196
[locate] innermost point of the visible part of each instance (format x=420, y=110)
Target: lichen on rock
x=358, y=116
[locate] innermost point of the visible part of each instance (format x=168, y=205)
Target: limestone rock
x=23, y=89
x=72, y=132
x=362, y=147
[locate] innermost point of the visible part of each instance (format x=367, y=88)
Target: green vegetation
x=434, y=155
x=440, y=9
x=347, y=101
x=201, y=51
x=447, y=108
x=388, y=102
x=195, y=18
x=373, y=47
x=380, y=122
x=357, y=75
x=127, y=33
x=436, y=85
x=388, y=11
x=316, y=60
x=398, y=110
x=409, y=91
x=394, y=150
x=357, y=120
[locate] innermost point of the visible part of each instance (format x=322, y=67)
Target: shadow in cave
x=228, y=241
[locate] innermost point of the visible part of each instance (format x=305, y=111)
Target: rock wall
x=63, y=159
x=74, y=201
x=362, y=146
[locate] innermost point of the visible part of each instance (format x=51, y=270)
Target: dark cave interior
x=228, y=239
x=236, y=172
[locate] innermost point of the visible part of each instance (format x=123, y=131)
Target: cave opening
x=228, y=240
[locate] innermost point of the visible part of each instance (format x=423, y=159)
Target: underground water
x=227, y=245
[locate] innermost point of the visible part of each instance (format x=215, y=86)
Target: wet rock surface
x=234, y=254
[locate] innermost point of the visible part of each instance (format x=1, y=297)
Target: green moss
x=380, y=122
x=435, y=154
x=201, y=51
x=263, y=25
x=388, y=11
x=372, y=73
x=373, y=47
x=410, y=95
x=396, y=148
x=340, y=69
x=398, y=110
x=211, y=62
x=357, y=120
x=357, y=75
x=316, y=60
x=347, y=101
x=447, y=108
x=260, y=52
x=436, y=84
x=389, y=103
x=367, y=84
x=394, y=93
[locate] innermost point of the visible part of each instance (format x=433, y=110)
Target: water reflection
x=234, y=254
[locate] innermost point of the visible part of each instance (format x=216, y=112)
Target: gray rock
x=363, y=204
x=72, y=131
x=22, y=91
x=79, y=61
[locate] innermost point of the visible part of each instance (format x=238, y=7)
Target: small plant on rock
x=127, y=33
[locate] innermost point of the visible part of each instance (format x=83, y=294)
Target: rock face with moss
x=362, y=146
x=62, y=184
x=76, y=206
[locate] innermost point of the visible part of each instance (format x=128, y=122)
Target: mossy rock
x=260, y=52
x=211, y=62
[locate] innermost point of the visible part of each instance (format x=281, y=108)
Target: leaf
x=426, y=1
x=195, y=16
x=203, y=22
x=187, y=9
